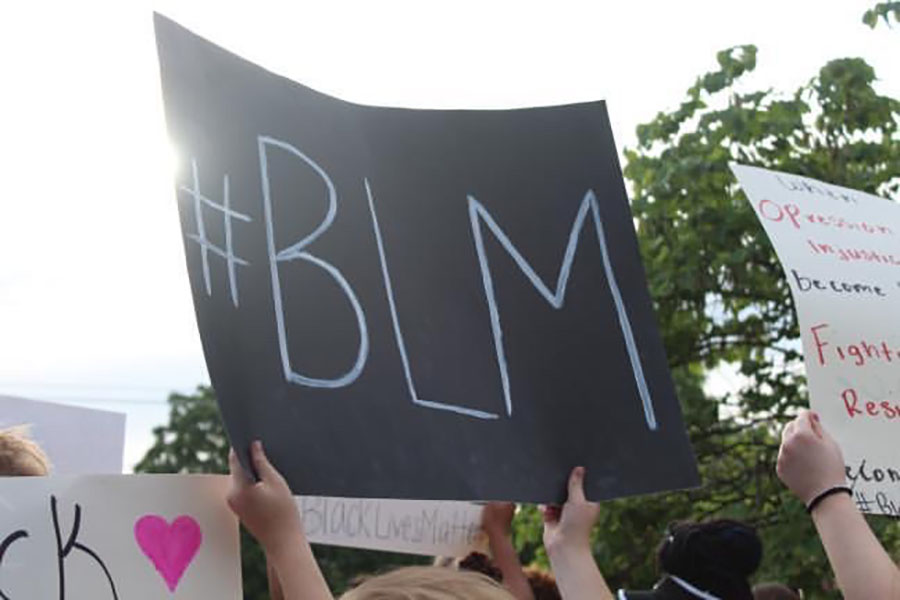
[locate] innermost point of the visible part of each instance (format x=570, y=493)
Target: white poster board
x=118, y=537
x=432, y=528
x=840, y=249
x=78, y=441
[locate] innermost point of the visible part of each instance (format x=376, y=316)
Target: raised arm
x=496, y=520
x=567, y=533
x=809, y=463
x=267, y=509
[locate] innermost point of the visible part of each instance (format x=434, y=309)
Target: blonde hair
x=428, y=583
x=20, y=455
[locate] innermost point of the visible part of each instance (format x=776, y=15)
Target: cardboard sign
x=417, y=303
x=78, y=441
x=431, y=528
x=134, y=537
x=840, y=249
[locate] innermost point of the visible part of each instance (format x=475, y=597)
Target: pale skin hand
x=496, y=520
x=567, y=533
x=267, y=509
x=811, y=461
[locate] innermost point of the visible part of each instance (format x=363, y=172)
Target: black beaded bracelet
x=838, y=489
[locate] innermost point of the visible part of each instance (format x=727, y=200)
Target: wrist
x=826, y=493
x=497, y=531
x=285, y=540
x=286, y=551
x=833, y=504
x=562, y=547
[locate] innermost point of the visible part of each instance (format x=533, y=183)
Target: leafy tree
x=883, y=11
x=721, y=297
x=194, y=441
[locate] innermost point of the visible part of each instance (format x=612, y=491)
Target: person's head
x=774, y=591
x=542, y=584
x=715, y=556
x=19, y=455
x=428, y=583
x=479, y=562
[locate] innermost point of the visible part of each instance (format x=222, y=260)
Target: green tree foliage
x=882, y=11
x=194, y=441
x=721, y=297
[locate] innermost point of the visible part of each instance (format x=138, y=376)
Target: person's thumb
x=816, y=424
x=239, y=477
x=576, y=485
x=261, y=463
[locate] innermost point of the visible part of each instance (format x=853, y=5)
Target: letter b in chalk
x=297, y=251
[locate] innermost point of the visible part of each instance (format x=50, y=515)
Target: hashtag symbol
x=863, y=503
x=203, y=241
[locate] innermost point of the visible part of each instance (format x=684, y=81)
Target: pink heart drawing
x=170, y=548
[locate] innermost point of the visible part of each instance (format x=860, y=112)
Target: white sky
x=95, y=307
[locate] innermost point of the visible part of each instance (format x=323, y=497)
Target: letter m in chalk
x=479, y=216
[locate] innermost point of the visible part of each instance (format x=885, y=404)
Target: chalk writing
x=296, y=252
x=478, y=215
x=398, y=334
x=203, y=241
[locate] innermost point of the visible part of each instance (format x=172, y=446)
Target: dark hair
x=715, y=556
x=543, y=584
x=774, y=591
x=481, y=563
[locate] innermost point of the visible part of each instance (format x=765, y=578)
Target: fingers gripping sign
x=266, y=507
x=571, y=524
x=809, y=460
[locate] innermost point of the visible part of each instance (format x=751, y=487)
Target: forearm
x=862, y=567
x=275, y=592
x=296, y=572
x=507, y=560
x=577, y=574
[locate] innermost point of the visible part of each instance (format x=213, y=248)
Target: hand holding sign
x=809, y=460
x=265, y=507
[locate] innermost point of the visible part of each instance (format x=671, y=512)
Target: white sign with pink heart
x=134, y=537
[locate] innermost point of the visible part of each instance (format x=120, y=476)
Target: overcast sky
x=95, y=307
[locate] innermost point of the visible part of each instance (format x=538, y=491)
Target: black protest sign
x=417, y=303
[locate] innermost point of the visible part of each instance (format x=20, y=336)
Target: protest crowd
x=471, y=380
x=706, y=560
